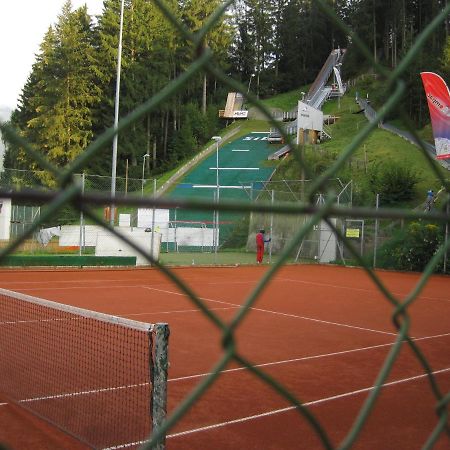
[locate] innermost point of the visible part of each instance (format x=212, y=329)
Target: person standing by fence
x=260, y=241
x=429, y=201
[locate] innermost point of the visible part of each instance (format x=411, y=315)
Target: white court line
x=65, y=288
x=255, y=309
x=178, y=311
x=43, y=284
x=278, y=313
x=311, y=319
x=239, y=150
x=314, y=283
x=19, y=322
x=374, y=290
x=305, y=358
x=311, y=403
x=90, y=392
x=237, y=369
x=234, y=168
x=326, y=321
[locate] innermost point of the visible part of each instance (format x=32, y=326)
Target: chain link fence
x=318, y=209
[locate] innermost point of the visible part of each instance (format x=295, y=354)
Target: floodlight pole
x=143, y=173
x=82, y=229
x=217, y=139
x=116, y=116
x=250, y=82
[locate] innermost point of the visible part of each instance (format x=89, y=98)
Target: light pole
x=217, y=139
x=116, y=115
x=143, y=172
x=250, y=82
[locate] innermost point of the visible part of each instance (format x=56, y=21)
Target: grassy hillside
x=286, y=101
x=380, y=148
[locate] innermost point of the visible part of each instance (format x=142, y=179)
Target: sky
x=23, y=24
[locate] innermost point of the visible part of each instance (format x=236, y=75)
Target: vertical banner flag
x=438, y=99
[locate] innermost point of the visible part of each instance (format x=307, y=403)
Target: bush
x=411, y=249
x=394, y=182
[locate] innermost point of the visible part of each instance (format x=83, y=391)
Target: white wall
x=70, y=235
x=327, y=242
x=5, y=218
x=110, y=245
x=309, y=118
x=145, y=218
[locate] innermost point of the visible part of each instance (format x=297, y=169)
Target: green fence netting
x=69, y=192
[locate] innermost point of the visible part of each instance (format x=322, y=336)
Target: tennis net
x=100, y=378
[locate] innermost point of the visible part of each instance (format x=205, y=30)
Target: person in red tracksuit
x=260, y=246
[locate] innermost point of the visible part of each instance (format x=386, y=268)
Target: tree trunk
x=149, y=137
x=447, y=22
x=166, y=133
x=163, y=142
x=374, y=32
x=204, y=95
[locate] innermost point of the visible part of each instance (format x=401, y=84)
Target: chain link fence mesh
x=308, y=215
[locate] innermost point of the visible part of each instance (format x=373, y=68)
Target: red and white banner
x=438, y=99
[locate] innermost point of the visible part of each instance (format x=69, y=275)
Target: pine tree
x=56, y=103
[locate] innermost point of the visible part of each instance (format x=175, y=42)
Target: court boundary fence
x=69, y=192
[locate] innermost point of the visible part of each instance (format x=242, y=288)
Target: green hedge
x=67, y=260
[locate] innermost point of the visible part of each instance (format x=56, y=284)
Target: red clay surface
x=321, y=331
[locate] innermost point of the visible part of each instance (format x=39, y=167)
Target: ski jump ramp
x=308, y=115
x=233, y=108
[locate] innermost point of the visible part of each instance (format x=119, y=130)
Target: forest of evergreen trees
x=68, y=99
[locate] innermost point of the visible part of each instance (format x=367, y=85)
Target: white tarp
x=45, y=234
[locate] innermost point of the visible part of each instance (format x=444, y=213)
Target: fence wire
x=69, y=192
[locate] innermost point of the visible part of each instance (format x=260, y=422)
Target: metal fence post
x=82, y=236
x=153, y=219
x=271, y=228
x=375, y=241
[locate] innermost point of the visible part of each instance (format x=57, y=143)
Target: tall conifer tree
x=57, y=101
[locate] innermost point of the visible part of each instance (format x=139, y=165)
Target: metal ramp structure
x=318, y=94
x=280, y=153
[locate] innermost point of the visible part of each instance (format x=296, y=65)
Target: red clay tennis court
x=322, y=332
